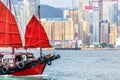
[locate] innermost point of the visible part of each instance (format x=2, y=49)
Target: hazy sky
x=62, y=3
x=59, y=3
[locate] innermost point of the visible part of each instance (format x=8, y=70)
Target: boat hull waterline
x=35, y=70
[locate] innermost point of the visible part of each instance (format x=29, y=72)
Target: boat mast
x=39, y=13
x=9, y=1
x=40, y=22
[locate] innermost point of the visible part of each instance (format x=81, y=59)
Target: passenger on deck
x=18, y=58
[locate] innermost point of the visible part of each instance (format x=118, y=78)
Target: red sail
x=9, y=33
x=35, y=35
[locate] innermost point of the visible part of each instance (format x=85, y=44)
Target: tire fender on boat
x=20, y=65
x=49, y=62
x=4, y=69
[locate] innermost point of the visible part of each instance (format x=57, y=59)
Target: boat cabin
x=10, y=59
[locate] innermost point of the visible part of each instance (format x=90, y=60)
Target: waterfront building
x=114, y=12
x=85, y=31
x=66, y=13
x=108, y=16
x=106, y=10
x=68, y=30
x=59, y=28
x=117, y=43
x=113, y=34
x=95, y=4
x=104, y=31
x=110, y=11
x=118, y=25
x=81, y=20
x=73, y=13
x=85, y=21
x=48, y=27
x=88, y=17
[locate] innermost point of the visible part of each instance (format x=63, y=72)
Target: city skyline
x=92, y=20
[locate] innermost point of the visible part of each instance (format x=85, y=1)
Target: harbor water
x=79, y=65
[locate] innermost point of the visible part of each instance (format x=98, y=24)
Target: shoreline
x=100, y=48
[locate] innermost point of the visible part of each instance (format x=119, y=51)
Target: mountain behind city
x=50, y=12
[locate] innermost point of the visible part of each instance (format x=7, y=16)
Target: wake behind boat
x=22, y=63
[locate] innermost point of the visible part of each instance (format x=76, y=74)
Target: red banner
x=88, y=7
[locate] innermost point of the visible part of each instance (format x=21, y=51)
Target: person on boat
x=18, y=58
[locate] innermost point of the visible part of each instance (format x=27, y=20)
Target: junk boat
x=22, y=63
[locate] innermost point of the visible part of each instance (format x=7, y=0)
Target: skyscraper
x=113, y=35
x=24, y=9
x=106, y=10
x=114, y=12
x=95, y=20
x=104, y=31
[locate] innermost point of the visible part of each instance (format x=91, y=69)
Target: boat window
x=24, y=57
x=30, y=57
x=8, y=62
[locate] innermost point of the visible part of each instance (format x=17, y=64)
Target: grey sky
x=59, y=3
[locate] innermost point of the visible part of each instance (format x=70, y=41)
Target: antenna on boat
x=40, y=22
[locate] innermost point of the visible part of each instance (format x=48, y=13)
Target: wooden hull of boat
x=33, y=67
x=34, y=70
